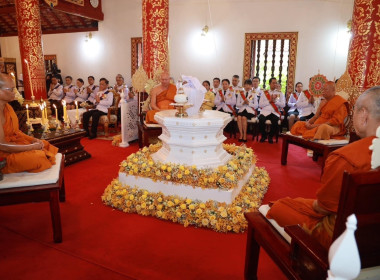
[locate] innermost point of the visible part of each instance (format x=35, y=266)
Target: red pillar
x=155, y=35
x=29, y=36
x=363, y=61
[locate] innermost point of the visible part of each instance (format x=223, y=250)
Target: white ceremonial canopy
x=195, y=93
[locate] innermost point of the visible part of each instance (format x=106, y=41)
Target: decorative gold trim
x=292, y=36
x=134, y=54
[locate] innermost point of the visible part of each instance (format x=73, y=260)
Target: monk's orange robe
x=334, y=113
x=355, y=157
x=30, y=161
x=163, y=101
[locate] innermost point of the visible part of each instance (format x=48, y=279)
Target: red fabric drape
x=155, y=35
x=29, y=35
x=363, y=62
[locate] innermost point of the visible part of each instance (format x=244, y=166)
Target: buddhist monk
x=317, y=216
x=328, y=121
x=22, y=152
x=161, y=97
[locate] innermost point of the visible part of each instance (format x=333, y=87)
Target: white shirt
x=106, y=100
x=251, y=97
x=215, y=90
x=292, y=102
x=81, y=95
x=123, y=88
x=237, y=89
x=265, y=106
x=229, y=97
x=304, y=107
x=95, y=90
x=70, y=94
x=56, y=93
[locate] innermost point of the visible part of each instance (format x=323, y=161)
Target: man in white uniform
x=270, y=104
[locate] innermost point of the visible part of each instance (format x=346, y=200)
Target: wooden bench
x=303, y=257
x=317, y=147
x=47, y=185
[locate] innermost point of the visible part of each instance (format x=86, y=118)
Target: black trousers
x=95, y=114
x=57, y=103
x=274, y=120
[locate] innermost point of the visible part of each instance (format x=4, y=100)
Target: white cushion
x=23, y=179
x=264, y=210
x=152, y=124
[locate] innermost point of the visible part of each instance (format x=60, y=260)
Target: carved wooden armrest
x=112, y=111
x=302, y=241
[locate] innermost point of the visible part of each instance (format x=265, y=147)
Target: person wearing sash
x=23, y=153
x=305, y=105
x=216, y=85
x=225, y=99
x=55, y=96
x=246, y=104
x=92, y=89
x=256, y=88
x=208, y=104
x=293, y=111
x=317, y=216
x=270, y=104
x=235, y=84
x=329, y=119
x=104, y=99
x=80, y=94
x=69, y=91
x=162, y=96
x=122, y=87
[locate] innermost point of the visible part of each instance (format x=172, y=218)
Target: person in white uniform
x=293, y=111
x=55, y=96
x=225, y=99
x=69, y=91
x=104, y=99
x=271, y=103
x=92, y=89
x=216, y=85
x=246, y=104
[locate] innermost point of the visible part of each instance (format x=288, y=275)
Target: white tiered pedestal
x=196, y=140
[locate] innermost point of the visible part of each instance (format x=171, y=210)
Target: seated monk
x=161, y=97
x=317, y=216
x=22, y=152
x=328, y=121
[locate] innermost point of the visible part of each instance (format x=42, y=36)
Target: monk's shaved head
x=328, y=90
x=165, y=79
x=370, y=100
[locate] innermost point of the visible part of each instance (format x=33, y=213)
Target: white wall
x=319, y=23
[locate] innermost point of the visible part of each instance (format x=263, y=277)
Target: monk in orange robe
x=328, y=121
x=161, y=97
x=22, y=152
x=317, y=216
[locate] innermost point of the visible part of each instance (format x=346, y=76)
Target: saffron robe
x=334, y=113
x=355, y=157
x=163, y=101
x=30, y=161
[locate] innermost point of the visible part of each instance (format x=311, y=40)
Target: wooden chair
x=47, y=185
x=148, y=134
x=303, y=257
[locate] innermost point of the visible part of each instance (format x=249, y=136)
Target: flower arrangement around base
x=224, y=177
x=211, y=214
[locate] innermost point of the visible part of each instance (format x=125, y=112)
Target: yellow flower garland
x=224, y=177
x=211, y=214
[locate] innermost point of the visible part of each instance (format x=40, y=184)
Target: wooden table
x=317, y=148
x=148, y=135
x=68, y=144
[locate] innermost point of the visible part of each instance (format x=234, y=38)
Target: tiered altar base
x=207, y=197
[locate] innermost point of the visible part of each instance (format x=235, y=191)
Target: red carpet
x=102, y=243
